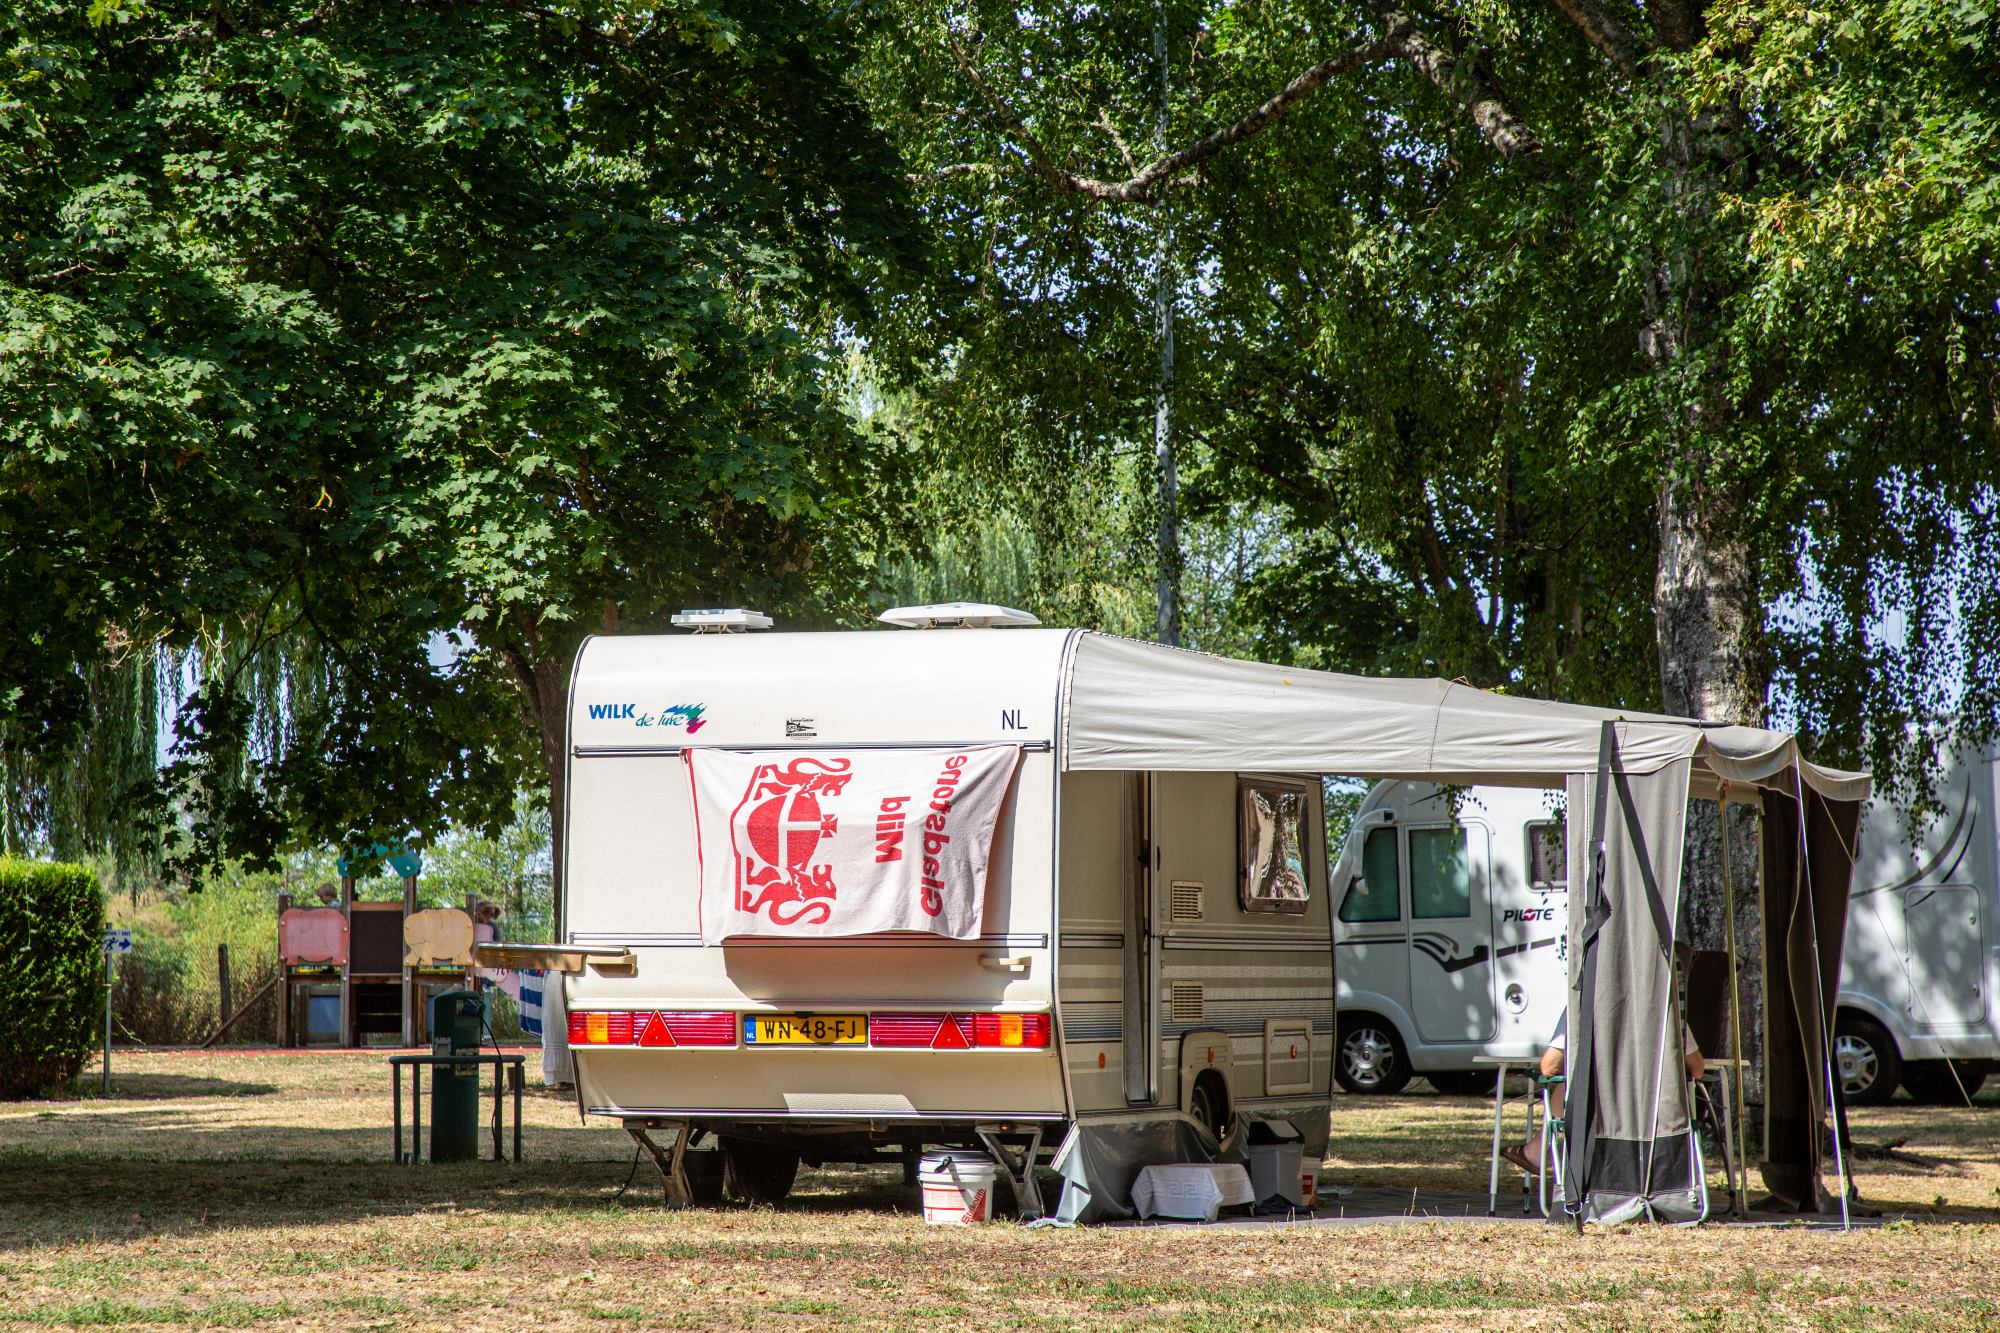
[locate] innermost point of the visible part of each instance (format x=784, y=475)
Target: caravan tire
x=1864, y=1052
x=1370, y=1057
x=1209, y=1103
x=758, y=1172
x=703, y=1169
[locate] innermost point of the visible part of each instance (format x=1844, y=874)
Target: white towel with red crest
x=819, y=844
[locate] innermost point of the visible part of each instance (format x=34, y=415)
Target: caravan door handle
x=1005, y=964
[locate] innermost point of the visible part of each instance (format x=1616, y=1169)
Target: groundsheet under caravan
x=1138, y=706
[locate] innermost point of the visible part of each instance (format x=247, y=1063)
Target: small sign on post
x=116, y=941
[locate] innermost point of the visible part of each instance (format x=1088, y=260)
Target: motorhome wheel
x=1463, y=1082
x=1870, y=1066
x=757, y=1172
x=1943, y=1082
x=1371, y=1056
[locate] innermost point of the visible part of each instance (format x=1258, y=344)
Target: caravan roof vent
x=955, y=615
x=722, y=620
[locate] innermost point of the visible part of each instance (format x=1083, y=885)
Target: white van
x=1920, y=979
x=1452, y=934
x=1150, y=949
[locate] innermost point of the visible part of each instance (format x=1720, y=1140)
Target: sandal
x=1517, y=1153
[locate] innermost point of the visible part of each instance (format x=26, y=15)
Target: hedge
x=51, y=973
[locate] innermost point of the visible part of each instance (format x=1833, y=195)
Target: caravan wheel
x=758, y=1172
x=1371, y=1057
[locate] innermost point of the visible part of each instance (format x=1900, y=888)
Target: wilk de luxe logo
x=774, y=832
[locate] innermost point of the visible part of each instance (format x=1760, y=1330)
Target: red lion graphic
x=774, y=831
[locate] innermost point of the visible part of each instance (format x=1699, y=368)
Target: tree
x=1589, y=350
x=373, y=356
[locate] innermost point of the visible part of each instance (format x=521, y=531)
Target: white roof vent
x=955, y=615
x=722, y=620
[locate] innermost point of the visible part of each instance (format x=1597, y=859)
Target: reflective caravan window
x=1271, y=846
x=1372, y=895
x=1440, y=873
x=1548, y=855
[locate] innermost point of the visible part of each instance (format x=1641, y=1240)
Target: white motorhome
x=1451, y=933
x=1920, y=978
x=1131, y=948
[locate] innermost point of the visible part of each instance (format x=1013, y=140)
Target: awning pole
x=1740, y=1206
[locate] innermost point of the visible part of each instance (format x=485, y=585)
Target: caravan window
x=1372, y=895
x=1548, y=855
x=1272, y=847
x=1440, y=873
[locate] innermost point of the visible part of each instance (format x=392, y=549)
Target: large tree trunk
x=1708, y=613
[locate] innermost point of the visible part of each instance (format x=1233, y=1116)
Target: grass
x=240, y=1190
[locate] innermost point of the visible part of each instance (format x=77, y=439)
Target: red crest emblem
x=775, y=830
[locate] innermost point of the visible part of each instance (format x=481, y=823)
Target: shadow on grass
x=65, y=1201
x=160, y=1087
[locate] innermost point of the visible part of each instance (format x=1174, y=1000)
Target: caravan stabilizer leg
x=1020, y=1167
x=671, y=1161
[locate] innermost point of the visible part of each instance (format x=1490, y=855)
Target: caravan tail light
x=1010, y=1029
x=905, y=1029
x=706, y=1029
x=626, y=1028
x=597, y=1027
x=958, y=1032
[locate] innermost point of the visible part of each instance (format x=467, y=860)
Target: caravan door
x=1451, y=932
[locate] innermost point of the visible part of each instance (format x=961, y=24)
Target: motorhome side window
x=1548, y=855
x=1272, y=847
x=1440, y=873
x=1372, y=894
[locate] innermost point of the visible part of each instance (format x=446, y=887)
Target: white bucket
x=957, y=1187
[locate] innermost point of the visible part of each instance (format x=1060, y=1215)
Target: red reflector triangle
x=950, y=1037
x=656, y=1033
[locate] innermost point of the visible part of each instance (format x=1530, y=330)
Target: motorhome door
x=1944, y=951
x=1451, y=932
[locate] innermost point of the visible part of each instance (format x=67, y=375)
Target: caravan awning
x=1133, y=705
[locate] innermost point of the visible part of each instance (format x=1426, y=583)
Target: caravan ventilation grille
x=1186, y=1002
x=1186, y=900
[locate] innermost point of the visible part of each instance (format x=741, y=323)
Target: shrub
x=167, y=992
x=51, y=932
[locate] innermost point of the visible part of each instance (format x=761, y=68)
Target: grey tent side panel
x=1629, y=1143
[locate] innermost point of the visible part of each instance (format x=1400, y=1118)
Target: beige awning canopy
x=1133, y=705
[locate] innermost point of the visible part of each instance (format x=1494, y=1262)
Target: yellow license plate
x=805, y=1030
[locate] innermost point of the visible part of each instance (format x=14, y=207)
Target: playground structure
x=382, y=959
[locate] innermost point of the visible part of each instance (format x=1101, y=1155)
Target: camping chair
x=1550, y=1163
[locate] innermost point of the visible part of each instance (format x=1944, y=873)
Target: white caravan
x=1452, y=934
x=1150, y=950
x=1920, y=979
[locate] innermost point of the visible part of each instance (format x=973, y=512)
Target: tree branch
x=1604, y=32
x=1144, y=185
x=1464, y=81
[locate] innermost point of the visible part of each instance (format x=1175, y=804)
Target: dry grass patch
x=243, y=1191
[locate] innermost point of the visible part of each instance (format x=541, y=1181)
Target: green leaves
x=332, y=333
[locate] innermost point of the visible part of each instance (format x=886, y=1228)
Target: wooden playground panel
x=384, y=960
